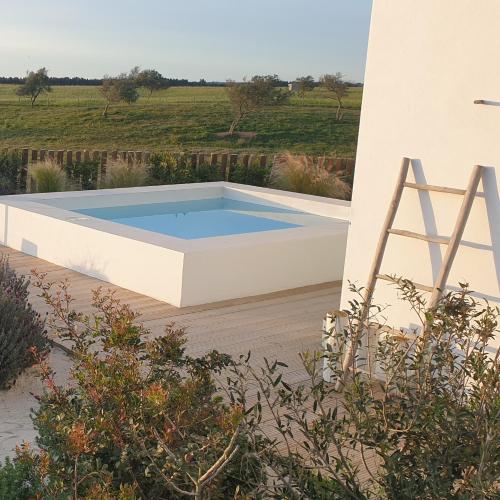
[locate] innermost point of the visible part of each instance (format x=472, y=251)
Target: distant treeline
x=172, y=82
x=77, y=80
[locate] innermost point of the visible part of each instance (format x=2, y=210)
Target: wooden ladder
x=453, y=242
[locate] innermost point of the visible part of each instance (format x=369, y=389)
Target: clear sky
x=211, y=39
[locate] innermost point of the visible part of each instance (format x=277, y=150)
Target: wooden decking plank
x=278, y=325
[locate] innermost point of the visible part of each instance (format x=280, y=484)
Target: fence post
x=138, y=157
x=213, y=159
x=59, y=157
x=51, y=154
x=194, y=157
x=104, y=162
x=146, y=157
x=78, y=157
x=245, y=159
x=86, y=156
x=233, y=159
x=69, y=158
x=24, y=169
x=223, y=165
x=101, y=167
x=34, y=155
x=43, y=153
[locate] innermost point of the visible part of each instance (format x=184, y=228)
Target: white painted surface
x=180, y=272
x=427, y=63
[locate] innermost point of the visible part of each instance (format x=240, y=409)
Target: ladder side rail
x=456, y=237
x=375, y=269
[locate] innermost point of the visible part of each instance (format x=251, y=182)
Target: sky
x=211, y=39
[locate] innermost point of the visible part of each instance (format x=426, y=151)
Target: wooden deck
x=277, y=325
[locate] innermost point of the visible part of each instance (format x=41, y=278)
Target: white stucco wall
x=427, y=63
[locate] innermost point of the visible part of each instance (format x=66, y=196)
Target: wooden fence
x=224, y=161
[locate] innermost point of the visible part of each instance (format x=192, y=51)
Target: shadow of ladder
x=453, y=242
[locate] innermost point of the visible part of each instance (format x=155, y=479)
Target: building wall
x=427, y=63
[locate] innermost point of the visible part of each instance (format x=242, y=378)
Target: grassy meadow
x=179, y=118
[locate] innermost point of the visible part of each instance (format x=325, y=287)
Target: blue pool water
x=199, y=218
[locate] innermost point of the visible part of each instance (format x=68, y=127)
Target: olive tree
x=122, y=88
x=338, y=88
x=418, y=417
x=151, y=80
x=35, y=84
x=306, y=84
x=248, y=96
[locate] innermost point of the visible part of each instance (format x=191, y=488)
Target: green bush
x=167, y=168
x=145, y=420
x=207, y=173
x=141, y=420
x=429, y=428
x=18, y=479
x=21, y=328
x=83, y=174
x=254, y=174
x=10, y=172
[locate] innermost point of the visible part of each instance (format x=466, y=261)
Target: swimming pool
x=196, y=219
x=184, y=244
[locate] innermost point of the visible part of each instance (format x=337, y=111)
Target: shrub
x=10, y=170
x=84, y=174
x=18, y=479
x=47, y=177
x=166, y=168
x=21, y=328
x=208, y=173
x=121, y=174
x=144, y=420
x=430, y=427
x=301, y=175
x=254, y=174
x=140, y=420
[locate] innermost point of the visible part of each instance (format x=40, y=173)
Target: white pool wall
x=180, y=272
x=96, y=253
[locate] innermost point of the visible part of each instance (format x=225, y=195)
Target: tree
x=35, y=84
x=248, y=96
x=151, y=80
x=306, y=84
x=336, y=85
x=122, y=88
x=429, y=428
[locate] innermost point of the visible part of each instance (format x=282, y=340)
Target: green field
x=179, y=118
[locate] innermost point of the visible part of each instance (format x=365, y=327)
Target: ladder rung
x=439, y=189
x=410, y=234
x=418, y=286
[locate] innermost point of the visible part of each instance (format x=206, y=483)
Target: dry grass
x=301, y=174
x=121, y=174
